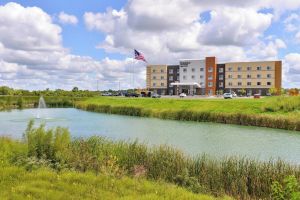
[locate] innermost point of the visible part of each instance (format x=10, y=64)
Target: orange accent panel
x=278, y=75
x=211, y=62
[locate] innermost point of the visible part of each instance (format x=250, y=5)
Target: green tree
x=75, y=89
x=273, y=91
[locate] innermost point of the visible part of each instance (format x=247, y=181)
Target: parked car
x=155, y=95
x=182, y=95
x=107, y=94
x=256, y=96
x=131, y=95
x=227, y=96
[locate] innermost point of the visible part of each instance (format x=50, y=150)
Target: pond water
x=217, y=140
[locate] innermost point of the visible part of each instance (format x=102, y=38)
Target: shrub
x=289, y=190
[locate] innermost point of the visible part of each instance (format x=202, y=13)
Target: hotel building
x=254, y=77
x=206, y=77
x=172, y=77
x=156, y=78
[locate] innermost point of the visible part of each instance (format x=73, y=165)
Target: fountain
x=42, y=104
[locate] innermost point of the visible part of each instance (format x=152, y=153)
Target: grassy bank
x=18, y=184
x=237, y=177
x=273, y=112
x=20, y=102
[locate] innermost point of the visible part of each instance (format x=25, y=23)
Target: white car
x=182, y=95
x=227, y=96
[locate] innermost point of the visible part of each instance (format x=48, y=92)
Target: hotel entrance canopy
x=196, y=85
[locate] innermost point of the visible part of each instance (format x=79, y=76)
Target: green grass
x=273, y=112
x=17, y=183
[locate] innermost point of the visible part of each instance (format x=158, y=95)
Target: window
x=249, y=68
x=258, y=68
x=170, y=78
x=230, y=76
x=249, y=83
x=221, y=70
x=184, y=77
x=162, y=78
x=193, y=77
x=258, y=76
x=230, y=69
x=239, y=68
x=230, y=84
x=269, y=83
x=193, y=69
x=269, y=68
x=221, y=84
x=154, y=84
x=154, y=77
x=258, y=83
x=269, y=76
x=162, y=84
x=201, y=69
x=162, y=71
x=184, y=70
x=210, y=84
x=201, y=83
x=239, y=83
x=170, y=85
x=248, y=75
x=201, y=76
x=210, y=69
x=171, y=71
x=239, y=76
x=153, y=70
x=221, y=77
x=210, y=77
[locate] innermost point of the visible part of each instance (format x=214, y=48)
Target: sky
x=63, y=44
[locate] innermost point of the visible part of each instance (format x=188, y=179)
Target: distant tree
x=243, y=92
x=273, y=91
x=294, y=92
x=75, y=89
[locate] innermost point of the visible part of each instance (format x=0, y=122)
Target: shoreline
x=244, y=119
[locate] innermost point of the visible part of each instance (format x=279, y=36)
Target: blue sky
x=77, y=43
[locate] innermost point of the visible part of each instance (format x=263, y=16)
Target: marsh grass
x=241, y=178
x=20, y=102
x=284, y=104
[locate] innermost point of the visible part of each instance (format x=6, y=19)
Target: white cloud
x=243, y=26
x=291, y=70
x=32, y=55
x=65, y=18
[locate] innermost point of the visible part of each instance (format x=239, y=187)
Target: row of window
x=161, y=78
x=161, y=84
x=201, y=77
x=161, y=71
x=248, y=84
x=248, y=76
x=221, y=70
x=193, y=69
x=258, y=68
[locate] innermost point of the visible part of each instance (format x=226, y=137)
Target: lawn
x=273, y=112
x=17, y=183
x=201, y=105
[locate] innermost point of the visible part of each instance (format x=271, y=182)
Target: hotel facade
x=207, y=77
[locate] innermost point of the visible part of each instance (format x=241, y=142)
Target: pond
x=217, y=140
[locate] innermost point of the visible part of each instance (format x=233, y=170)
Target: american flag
x=139, y=56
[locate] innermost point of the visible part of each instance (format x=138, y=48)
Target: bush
x=289, y=190
x=51, y=144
